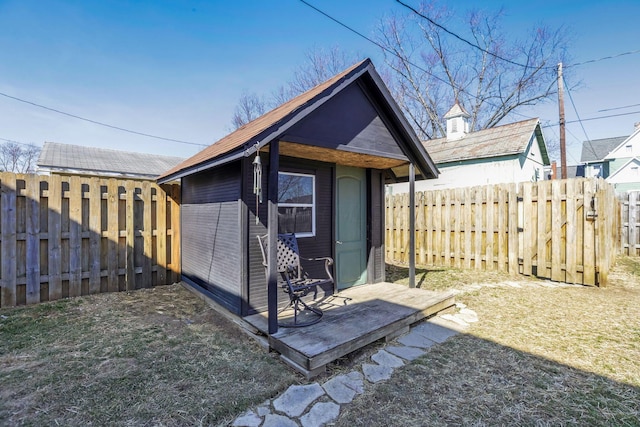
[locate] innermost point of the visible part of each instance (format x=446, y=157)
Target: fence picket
x=60, y=236
x=517, y=227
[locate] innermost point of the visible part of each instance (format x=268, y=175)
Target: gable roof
x=623, y=167
x=499, y=141
x=67, y=158
x=456, y=111
x=597, y=149
x=256, y=134
x=627, y=141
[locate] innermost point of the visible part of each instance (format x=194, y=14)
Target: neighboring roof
x=456, y=111
x=56, y=157
x=499, y=141
x=597, y=149
x=573, y=171
x=256, y=134
x=627, y=141
x=623, y=167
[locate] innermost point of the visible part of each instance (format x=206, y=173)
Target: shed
x=326, y=157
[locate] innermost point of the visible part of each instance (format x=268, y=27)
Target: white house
x=624, y=163
x=516, y=152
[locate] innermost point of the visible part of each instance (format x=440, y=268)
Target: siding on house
x=212, y=254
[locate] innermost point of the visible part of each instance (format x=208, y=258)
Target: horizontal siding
x=320, y=245
x=211, y=250
x=221, y=184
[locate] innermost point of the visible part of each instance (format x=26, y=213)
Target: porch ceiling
x=341, y=157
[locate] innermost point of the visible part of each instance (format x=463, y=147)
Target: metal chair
x=293, y=279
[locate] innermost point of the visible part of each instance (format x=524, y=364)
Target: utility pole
x=563, y=146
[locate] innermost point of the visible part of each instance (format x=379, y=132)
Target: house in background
x=515, y=152
x=67, y=159
x=617, y=160
x=594, y=153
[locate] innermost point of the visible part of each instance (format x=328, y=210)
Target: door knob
x=338, y=242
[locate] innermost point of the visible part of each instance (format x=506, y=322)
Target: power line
x=420, y=14
x=618, y=108
x=100, y=123
x=17, y=142
x=391, y=52
x=590, y=61
x=588, y=140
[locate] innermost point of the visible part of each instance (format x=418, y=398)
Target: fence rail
x=564, y=230
x=71, y=236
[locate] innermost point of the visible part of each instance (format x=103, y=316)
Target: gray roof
x=79, y=159
x=506, y=140
x=597, y=149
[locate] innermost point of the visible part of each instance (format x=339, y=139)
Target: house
x=67, y=159
x=617, y=160
x=515, y=152
x=325, y=157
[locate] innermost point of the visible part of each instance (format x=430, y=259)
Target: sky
x=176, y=69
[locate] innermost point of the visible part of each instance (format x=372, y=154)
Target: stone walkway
x=316, y=405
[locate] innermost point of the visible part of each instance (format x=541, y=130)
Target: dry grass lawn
x=150, y=357
x=539, y=356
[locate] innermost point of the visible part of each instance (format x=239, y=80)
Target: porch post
x=412, y=226
x=272, y=231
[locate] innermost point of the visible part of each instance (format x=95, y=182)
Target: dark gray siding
x=349, y=120
x=376, y=261
x=211, y=230
x=318, y=246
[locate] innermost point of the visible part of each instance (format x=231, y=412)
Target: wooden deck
x=352, y=319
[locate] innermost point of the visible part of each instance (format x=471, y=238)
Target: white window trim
x=312, y=205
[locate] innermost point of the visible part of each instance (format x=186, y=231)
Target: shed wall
x=319, y=245
x=211, y=226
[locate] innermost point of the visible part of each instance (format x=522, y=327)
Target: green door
x=351, y=230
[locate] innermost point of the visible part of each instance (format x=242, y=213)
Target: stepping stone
x=407, y=353
x=455, y=319
x=278, y=421
x=376, y=373
x=321, y=414
x=415, y=339
x=344, y=388
x=436, y=330
x=263, y=409
x=468, y=315
x=387, y=359
x=295, y=400
x=248, y=419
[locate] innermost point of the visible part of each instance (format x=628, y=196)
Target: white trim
x=312, y=205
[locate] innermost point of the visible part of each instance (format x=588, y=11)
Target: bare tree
x=319, y=65
x=491, y=75
x=19, y=158
x=250, y=107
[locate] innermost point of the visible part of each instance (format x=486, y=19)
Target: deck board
x=353, y=319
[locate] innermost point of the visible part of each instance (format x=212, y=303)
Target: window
x=297, y=204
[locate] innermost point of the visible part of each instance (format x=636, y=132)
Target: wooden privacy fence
x=630, y=223
x=563, y=230
x=70, y=236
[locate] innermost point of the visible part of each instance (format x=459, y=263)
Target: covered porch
x=353, y=318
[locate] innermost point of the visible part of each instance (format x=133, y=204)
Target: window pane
x=295, y=219
x=295, y=189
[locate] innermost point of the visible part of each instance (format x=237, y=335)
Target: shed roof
x=256, y=134
x=84, y=160
x=596, y=150
x=511, y=139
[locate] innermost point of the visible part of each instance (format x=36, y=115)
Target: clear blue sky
x=177, y=68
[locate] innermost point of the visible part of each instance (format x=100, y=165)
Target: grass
x=150, y=357
x=538, y=356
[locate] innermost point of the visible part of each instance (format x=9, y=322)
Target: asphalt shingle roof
x=597, y=149
x=494, y=142
x=104, y=161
